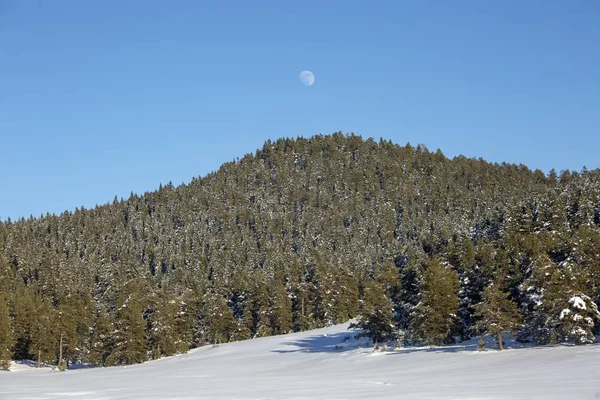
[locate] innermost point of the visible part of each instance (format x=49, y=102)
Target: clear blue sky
x=101, y=98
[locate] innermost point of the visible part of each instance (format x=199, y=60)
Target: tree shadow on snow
x=32, y=364
x=345, y=341
x=327, y=343
x=472, y=346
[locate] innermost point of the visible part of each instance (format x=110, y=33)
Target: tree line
x=300, y=234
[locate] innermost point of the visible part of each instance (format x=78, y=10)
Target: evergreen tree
x=302, y=315
x=434, y=317
x=73, y=320
x=162, y=326
x=44, y=339
x=376, y=313
x=24, y=314
x=347, y=298
x=102, y=339
x=281, y=310
x=129, y=334
x=218, y=323
x=410, y=268
x=498, y=313
x=551, y=315
x=259, y=319
x=168, y=325
x=577, y=320
x=6, y=335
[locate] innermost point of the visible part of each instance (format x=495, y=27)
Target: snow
x=327, y=364
x=565, y=312
x=578, y=331
x=577, y=302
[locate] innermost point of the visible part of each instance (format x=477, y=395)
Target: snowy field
x=326, y=364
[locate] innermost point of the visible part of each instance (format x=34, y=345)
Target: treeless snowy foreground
x=326, y=364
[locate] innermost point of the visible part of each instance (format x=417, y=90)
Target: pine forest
x=413, y=246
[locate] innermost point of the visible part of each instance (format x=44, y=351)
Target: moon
x=307, y=78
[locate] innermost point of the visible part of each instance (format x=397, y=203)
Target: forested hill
x=303, y=233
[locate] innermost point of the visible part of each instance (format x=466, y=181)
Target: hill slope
x=303, y=233
x=309, y=366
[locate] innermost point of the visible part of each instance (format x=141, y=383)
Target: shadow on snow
x=345, y=341
x=327, y=343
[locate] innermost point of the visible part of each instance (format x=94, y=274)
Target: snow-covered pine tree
x=577, y=320
x=558, y=307
x=543, y=293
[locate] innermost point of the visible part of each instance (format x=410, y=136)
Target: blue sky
x=99, y=99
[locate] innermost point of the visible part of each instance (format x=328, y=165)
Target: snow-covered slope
x=326, y=364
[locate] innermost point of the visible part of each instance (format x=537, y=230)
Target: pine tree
x=280, y=310
x=577, y=320
x=6, y=335
x=218, y=323
x=260, y=308
x=44, y=340
x=324, y=291
x=301, y=306
x=102, y=339
x=497, y=312
x=553, y=293
x=167, y=333
x=129, y=335
x=72, y=328
x=434, y=317
x=347, y=299
x=408, y=297
x=24, y=312
x=376, y=313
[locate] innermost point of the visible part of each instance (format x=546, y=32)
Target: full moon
x=307, y=78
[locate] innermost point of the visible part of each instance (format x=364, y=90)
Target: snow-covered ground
x=326, y=364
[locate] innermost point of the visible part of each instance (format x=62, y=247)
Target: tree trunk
x=500, y=346
x=39, y=360
x=60, y=347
